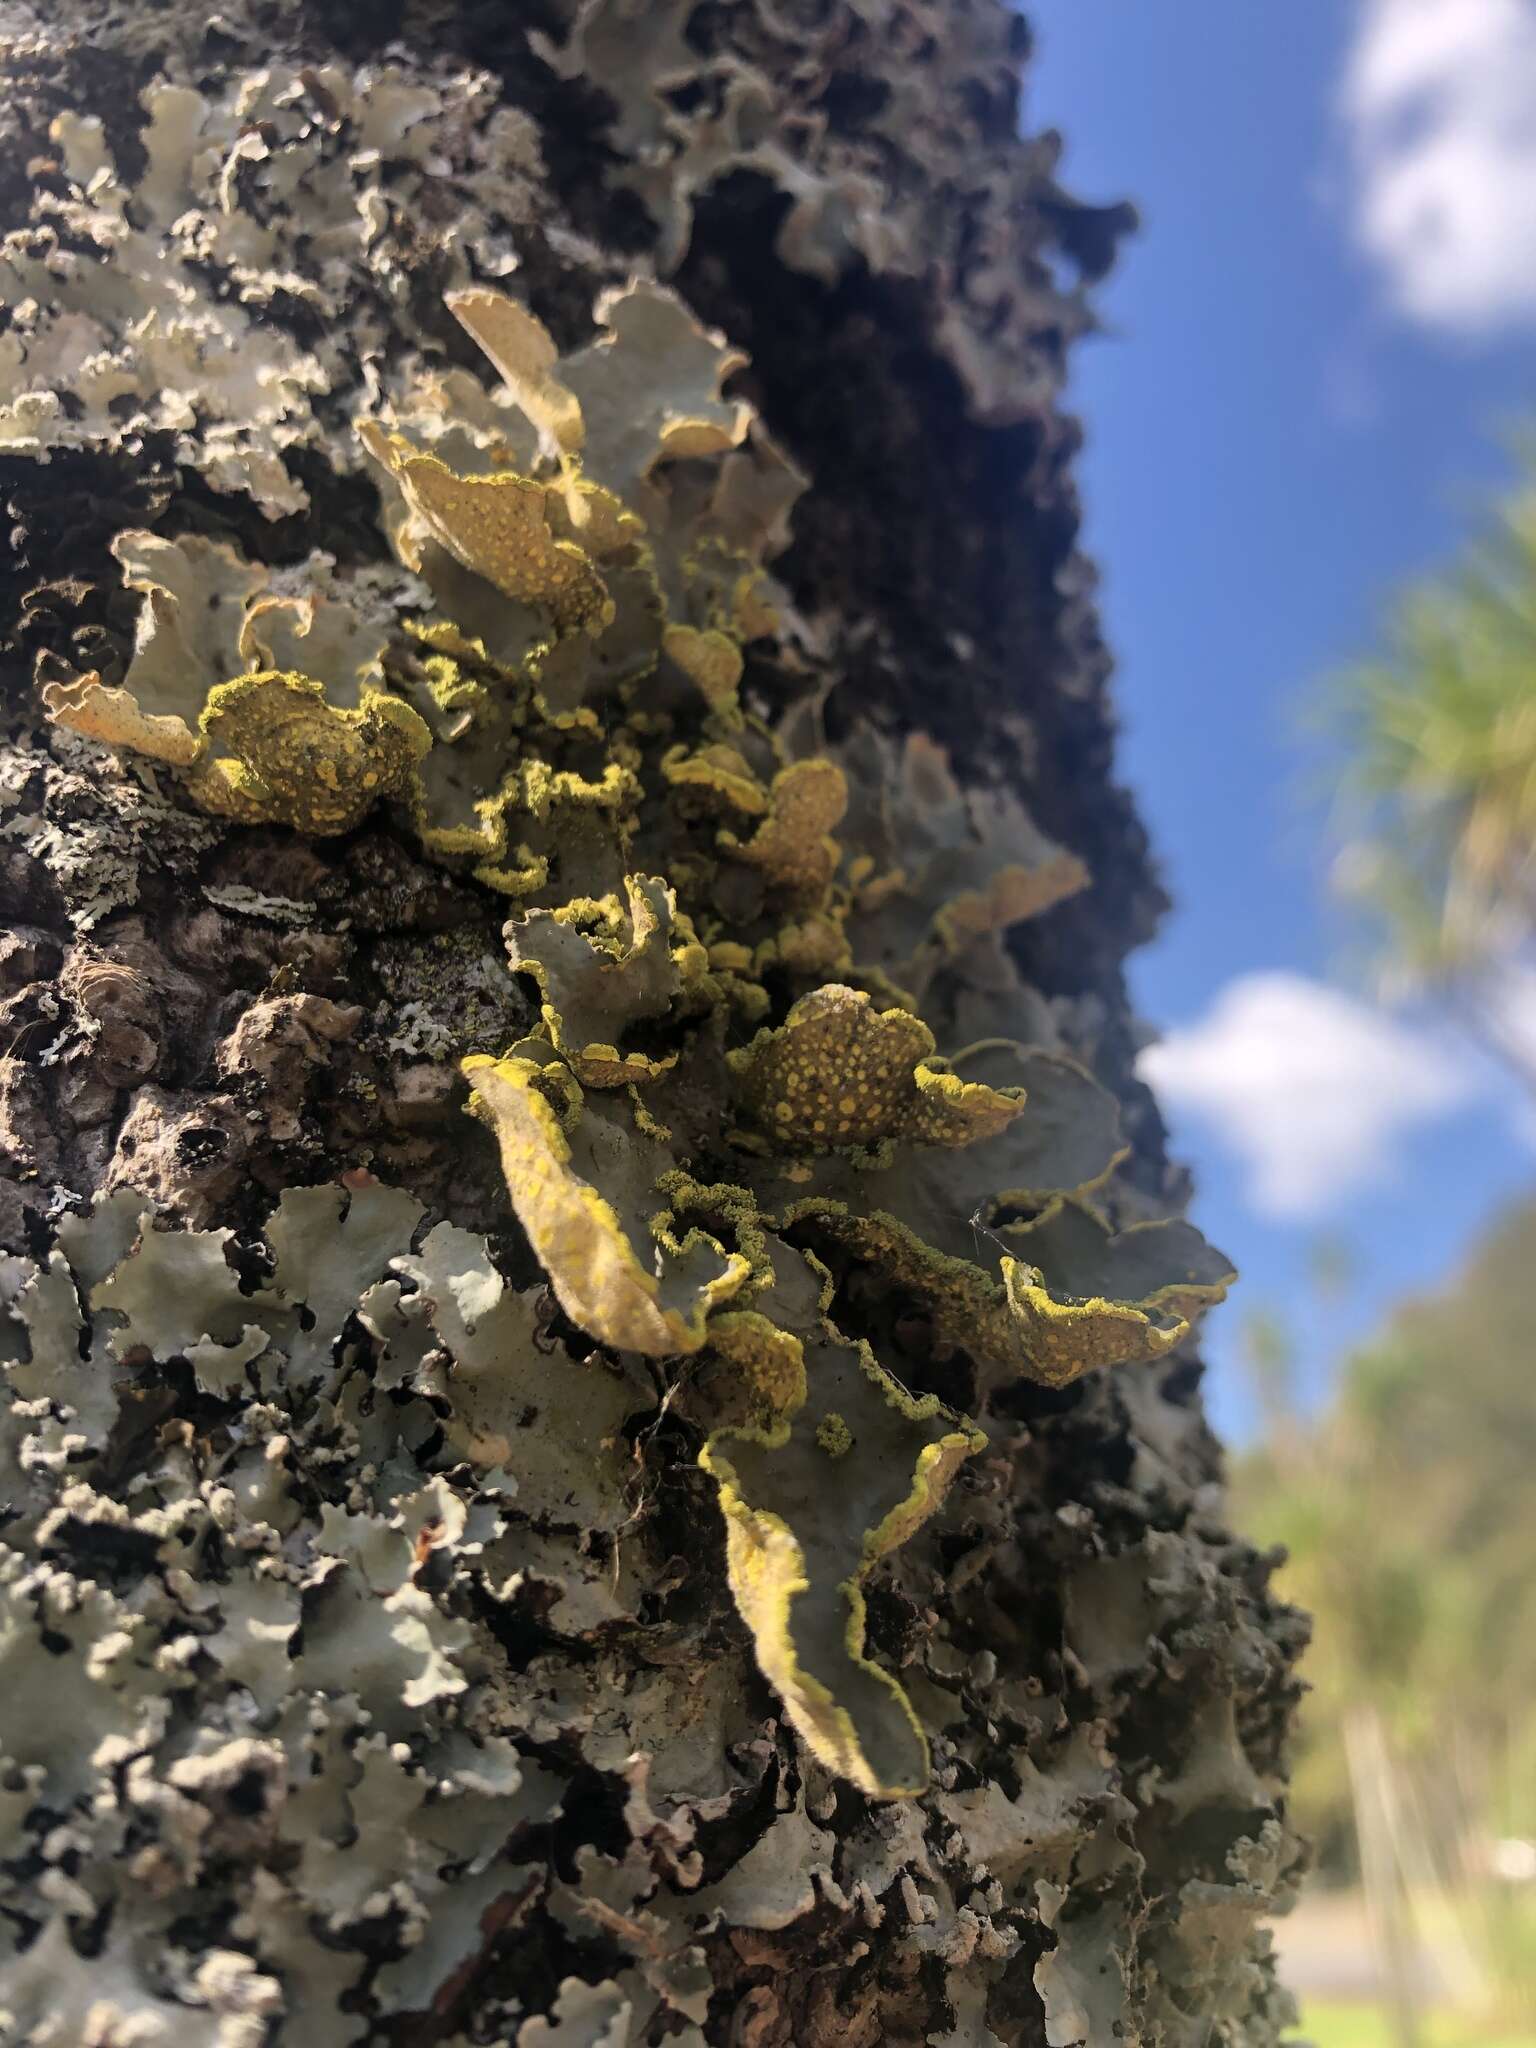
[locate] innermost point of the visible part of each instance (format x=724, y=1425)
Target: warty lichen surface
x=616, y=1574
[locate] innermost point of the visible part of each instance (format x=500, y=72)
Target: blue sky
x=1313, y=348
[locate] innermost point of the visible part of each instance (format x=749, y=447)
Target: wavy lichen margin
x=577, y=1234
x=799, y=1581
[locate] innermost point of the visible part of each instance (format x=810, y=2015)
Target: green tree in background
x=1410, y=1520
x=1439, y=802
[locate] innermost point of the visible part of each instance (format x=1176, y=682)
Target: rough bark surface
x=370, y=1664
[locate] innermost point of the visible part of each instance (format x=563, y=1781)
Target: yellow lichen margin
x=717, y=776
x=772, y=1575
x=278, y=753
x=1069, y=1332
x=711, y=660
x=838, y=1073
x=769, y=1362
x=1019, y=1320
x=968, y=1308
x=834, y=1436
x=577, y=1236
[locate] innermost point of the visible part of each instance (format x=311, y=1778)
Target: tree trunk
x=649, y=1561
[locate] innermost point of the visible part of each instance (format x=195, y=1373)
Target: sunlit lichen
x=838, y=1072
x=385, y=1568
x=840, y=1474
x=554, y=690
x=602, y=969
x=582, y=1195
x=279, y=754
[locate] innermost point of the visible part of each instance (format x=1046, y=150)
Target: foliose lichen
x=916, y=171
x=381, y=1557
x=562, y=529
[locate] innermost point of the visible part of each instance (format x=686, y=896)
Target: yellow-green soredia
x=733, y=934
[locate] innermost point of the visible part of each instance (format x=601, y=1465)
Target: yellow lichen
x=603, y=1277
x=834, y=1436
x=280, y=754
x=793, y=848
x=716, y=775
x=498, y=526
x=798, y=1552
x=769, y=1362
x=837, y=1072
x=603, y=967
x=812, y=948
x=709, y=658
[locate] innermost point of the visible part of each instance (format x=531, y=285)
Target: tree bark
x=372, y=1664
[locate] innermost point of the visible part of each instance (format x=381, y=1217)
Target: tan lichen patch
x=115, y=717
x=607, y=1270
x=1010, y=896
x=187, y=638
x=279, y=753
x=837, y=1073
x=603, y=967
x=496, y=525
x=524, y=352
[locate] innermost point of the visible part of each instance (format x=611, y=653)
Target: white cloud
x=1439, y=103
x=1312, y=1090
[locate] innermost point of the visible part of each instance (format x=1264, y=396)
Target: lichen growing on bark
x=721, y=1545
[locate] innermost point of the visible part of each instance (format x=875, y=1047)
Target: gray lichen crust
x=724, y=1548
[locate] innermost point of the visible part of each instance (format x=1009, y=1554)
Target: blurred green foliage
x=1439, y=791
x=1367, y=2026
x=1409, y=1512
